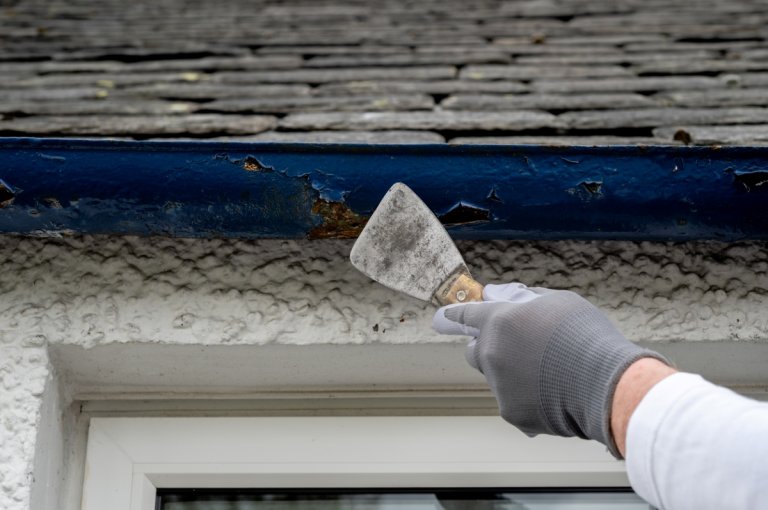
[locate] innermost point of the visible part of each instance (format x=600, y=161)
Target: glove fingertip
x=448, y=320
x=453, y=313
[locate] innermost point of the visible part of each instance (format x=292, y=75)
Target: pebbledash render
x=89, y=320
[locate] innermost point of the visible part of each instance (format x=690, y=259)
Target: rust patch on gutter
x=339, y=221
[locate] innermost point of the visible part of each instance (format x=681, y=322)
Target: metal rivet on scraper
x=461, y=295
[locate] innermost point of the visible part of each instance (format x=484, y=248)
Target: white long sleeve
x=692, y=444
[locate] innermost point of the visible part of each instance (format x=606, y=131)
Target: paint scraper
x=406, y=248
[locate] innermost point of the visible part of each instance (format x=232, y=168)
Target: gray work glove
x=552, y=359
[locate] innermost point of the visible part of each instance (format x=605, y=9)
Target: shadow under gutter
x=282, y=190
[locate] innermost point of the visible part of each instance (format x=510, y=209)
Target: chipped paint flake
x=493, y=196
x=7, y=194
x=592, y=187
x=465, y=214
x=752, y=181
x=252, y=164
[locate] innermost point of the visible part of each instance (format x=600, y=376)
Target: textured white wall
x=90, y=291
x=23, y=374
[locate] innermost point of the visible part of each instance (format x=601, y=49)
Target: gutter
x=52, y=187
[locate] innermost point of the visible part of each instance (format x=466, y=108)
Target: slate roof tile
x=500, y=71
x=337, y=75
x=142, y=126
x=128, y=53
x=758, y=54
x=522, y=72
x=643, y=84
x=653, y=117
x=616, y=58
x=409, y=59
x=339, y=50
x=698, y=66
x=752, y=80
x=529, y=46
x=374, y=137
x=715, y=98
x=716, y=135
x=561, y=140
x=11, y=96
x=107, y=80
x=98, y=107
x=193, y=64
x=208, y=91
x=545, y=8
x=546, y=101
x=438, y=120
x=604, y=39
x=670, y=45
x=322, y=103
x=438, y=87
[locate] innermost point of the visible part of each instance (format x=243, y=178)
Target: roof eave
x=288, y=190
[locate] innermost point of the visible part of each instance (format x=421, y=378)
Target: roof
x=539, y=71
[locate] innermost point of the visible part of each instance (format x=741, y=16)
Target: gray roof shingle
x=535, y=101
x=526, y=71
x=519, y=120
x=142, y=126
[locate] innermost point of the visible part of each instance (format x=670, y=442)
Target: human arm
x=633, y=385
x=676, y=434
x=692, y=444
x=687, y=442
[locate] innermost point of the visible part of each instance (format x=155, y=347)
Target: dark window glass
x=398, y=499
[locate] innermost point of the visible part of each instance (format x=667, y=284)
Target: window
x=466, y=499
x=130, y=459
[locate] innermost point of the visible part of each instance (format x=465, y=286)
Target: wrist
x=636, y=381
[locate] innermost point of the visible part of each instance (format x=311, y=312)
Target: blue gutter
x=279, y=190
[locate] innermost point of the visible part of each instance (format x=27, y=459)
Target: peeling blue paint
x=249, y=190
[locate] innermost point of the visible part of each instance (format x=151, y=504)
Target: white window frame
x=128, y=459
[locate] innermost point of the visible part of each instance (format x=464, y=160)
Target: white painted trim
x=120, y=370
x=129, y=458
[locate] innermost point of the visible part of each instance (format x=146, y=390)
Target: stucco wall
x=91, y=292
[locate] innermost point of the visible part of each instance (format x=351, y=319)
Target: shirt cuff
x=644, y=424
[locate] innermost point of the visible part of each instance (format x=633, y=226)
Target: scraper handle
x=460, y=288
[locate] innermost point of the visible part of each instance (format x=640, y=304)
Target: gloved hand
x=551, y=358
